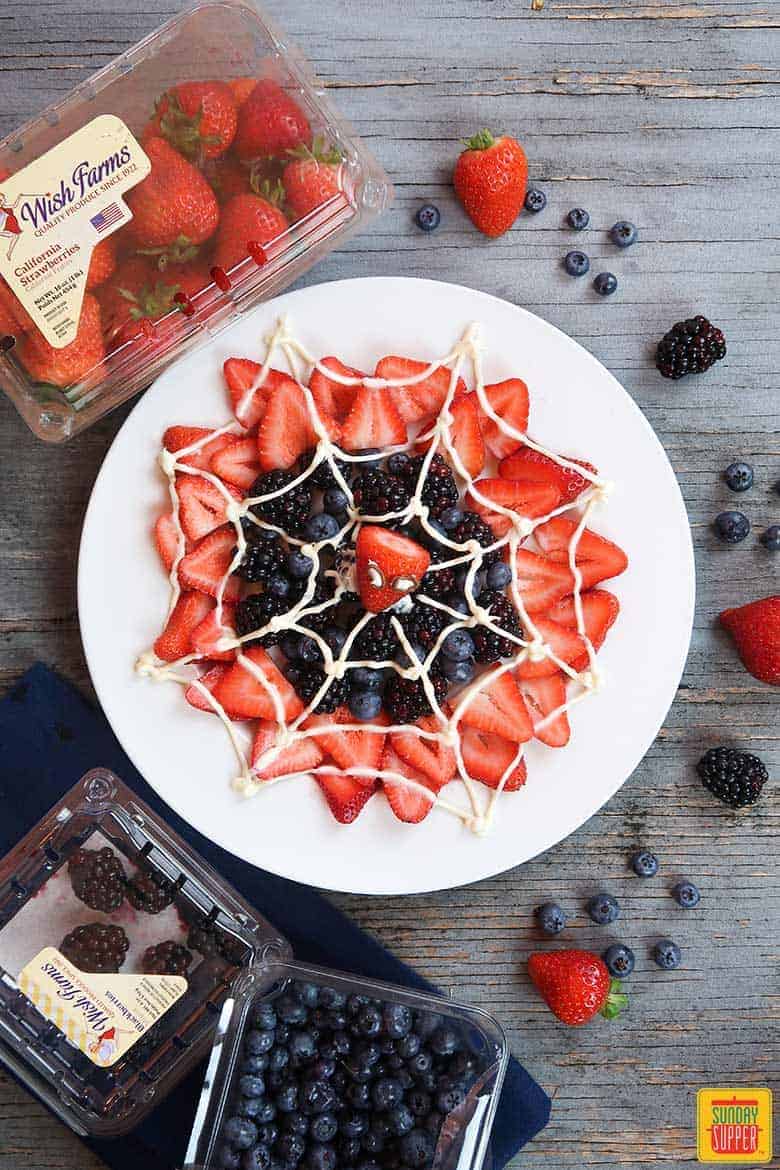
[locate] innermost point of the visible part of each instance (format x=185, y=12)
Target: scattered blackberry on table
x=262, y=560
x=423, y=624
x=473, y=527
x=576, y=263
x=623, y=234
x=97, y=878
x=602, y=909
x=308, y=680
x=377, y=641
x=166, y=958
x=739, y=476
x=405, y=699
x=605, y=284
x=735, y=777
x=427, y=217
x=620, y=960
x=322, y=476
x=550, y=917
x=731, y=527
x=644, y=864
x=770, y=538
x=686, y=894
x=667, y=954
x=376, y=493
x=439, y=489
x=288, y=510
x=488, y=645
x=149, y=892
x=689, y=347
x=535, y=200
x=578, y=219
x=96, y=947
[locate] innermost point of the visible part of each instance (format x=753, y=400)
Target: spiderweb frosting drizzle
x=478, y=811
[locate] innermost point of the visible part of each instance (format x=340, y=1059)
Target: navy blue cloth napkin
x=49, y=737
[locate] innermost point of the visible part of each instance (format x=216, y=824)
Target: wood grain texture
x=662, y=113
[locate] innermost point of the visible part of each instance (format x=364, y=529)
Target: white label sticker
x=55, y=211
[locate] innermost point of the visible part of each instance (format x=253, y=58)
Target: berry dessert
x=381, y=580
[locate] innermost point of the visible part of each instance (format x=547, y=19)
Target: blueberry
x=306, y=993
x=578, y=219
x=228, y=1158
x=623, y=233
x=353, y=1124
x=324, y=1128
x=419, y=1102
x=349, y=1150
x=295, y=1122
x=250, y=1086
x=335, y=501
x=450, y=518
x=321, y=1157
x=302, y=1047
x=686, y=894
x=292, y=1011
x=398, y=463
x=770, y=538
x=408, y=1046
x=420, y=1063
x=644, y=864
x=535, y=200
x=550, y=917
x=417, y=1148
x=603, y=909
x=386, y=1093
x=359, y=1096
x=498, y=575
x=252, y=1107
x=320, y=527
x=369, y=464
x=400, y=1120
x=308, y=651
x=667, y=954
x=456, y=602
x=417, y=649
x=264, y=1016
x=445, y=1041
x=450, y=1098
x=576, y=263
x=298, y=565
x=363, y=678
x=258, y=1158
x=458, y=645
x=277, y=585
x=341, y=1043
x=731, y=527
x=478, y=583
x=368, y=1053
x=739, y=476
x=365, y=705
x=278, y=1060
x=427, y=217
x=287, y=1098
x=316, y=1097
x=240, y=1132
x=254, y=1064
x=331, y=998
x=437, y=527
x=373, y=1141
x=267, y=1133
x=289, y=645
x=619, y=960
x=397, y=1019
x=605, y=284
x=291, y=1147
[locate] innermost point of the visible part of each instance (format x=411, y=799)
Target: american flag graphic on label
x=107, y=218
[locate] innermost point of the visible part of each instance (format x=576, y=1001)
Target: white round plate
x=577, y=407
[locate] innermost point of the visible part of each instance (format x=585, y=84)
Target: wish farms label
x=55, y=211
x=102, y=1015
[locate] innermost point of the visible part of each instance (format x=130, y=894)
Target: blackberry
x=405, y=699
x=208, y=939
x=735, y=777
x=97, y=878
x=289, y=510
x=690, y=347
x=423, y=624
x=377, y=641
x=376, y=493
x=322, y=476
x=167, y=958
x=262, y=559
x=149, y=892
x=96, y=947
x=473, y=527
x=255, y=612
x=489, y=646
x=307, y=682
x=439, y=490
x=439, y=583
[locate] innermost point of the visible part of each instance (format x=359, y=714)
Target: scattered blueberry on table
x=551, y=917
x=620, y=960
x=576, y=263
x=602, y=909
x=686, y=894
x=644, y=863
x=605, y=284
x=770, y=538
x=667, y=955
x=428, y=217
x=731, y=527
x=578, y=219
x=623, y=234
x=535, y=200
x=739, y=476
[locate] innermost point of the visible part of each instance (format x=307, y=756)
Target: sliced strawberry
x=429, y=757
x=240, y=376
x=350, y=749
x=597, y=558
x=345, y=795
x=600, y=608
x=241, y=693
x=542, y=697
x=333, y=399
x=499, y=708
x=541, y=582
x=487, y=756
x=194, y=695
x=519, y=495
x=208, y=563
x=466, y=434
x=177, y=438
x=563, y=641
x=388, y=564
x=408, y=803
x=206, y=636
x=422, y=399
x=286, y=430
x=301, y=756
x=509, y=400
x=166, y=537
x=176, y=639
x=202, y=506
x=238, y=463
x=530, y=464
x=373, y=421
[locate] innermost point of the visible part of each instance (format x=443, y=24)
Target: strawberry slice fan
x=517, y=543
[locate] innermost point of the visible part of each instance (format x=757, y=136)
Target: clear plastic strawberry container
x=201, y=172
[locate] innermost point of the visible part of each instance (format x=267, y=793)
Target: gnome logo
x=10, y=229
x=103, y=1047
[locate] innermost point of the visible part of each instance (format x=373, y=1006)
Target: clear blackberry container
x=105, y=277
x=170, y=895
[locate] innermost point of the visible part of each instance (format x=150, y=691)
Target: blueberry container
x=199, y=173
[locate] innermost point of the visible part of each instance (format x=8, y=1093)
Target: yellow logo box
x=734, y=1125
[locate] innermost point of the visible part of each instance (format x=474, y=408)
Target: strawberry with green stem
x=576, y=985
x=64, y=367
x=173, y=204
x=490, y=179
x=198, y=118
x=311, y=177
x=247, y=221
x=270, y=122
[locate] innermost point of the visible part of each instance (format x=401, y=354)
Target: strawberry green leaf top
x=490, y=179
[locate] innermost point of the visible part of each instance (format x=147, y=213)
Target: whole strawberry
x=102, y=263
x=241, y=87
x=756, y=630
x=198, y=118
x=14, y=318
x=576, y=985
x=246, y=219
x=270, y=122
x=63, y=367
x=310, y=179
x=490, y=179
x=174, y=203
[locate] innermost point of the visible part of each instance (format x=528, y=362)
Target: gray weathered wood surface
x=660, y=112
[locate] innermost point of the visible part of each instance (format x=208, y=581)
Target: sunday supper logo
x=734, y=1125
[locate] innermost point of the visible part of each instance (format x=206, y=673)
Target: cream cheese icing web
x=478, y=812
